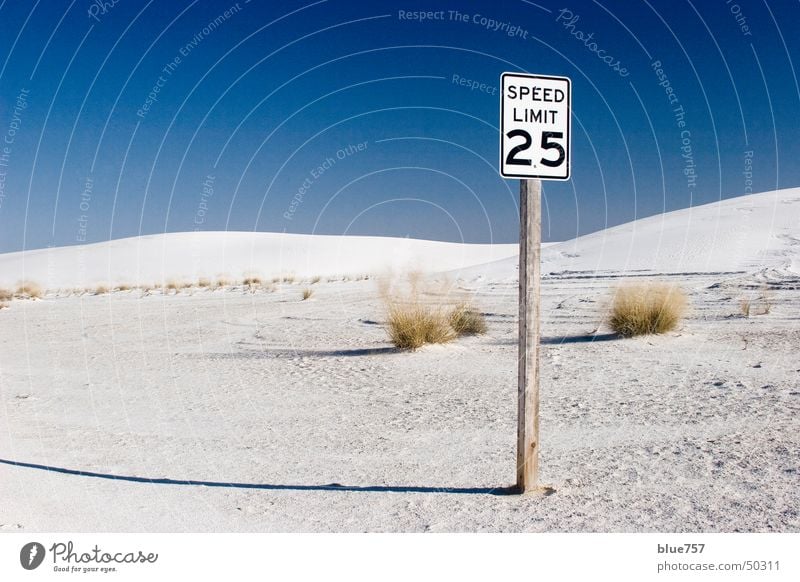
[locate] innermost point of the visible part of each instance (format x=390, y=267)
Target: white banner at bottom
x=378, y=557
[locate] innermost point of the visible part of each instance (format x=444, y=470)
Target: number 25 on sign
x=535, y=126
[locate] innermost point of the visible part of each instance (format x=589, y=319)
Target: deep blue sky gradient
x=279, y=87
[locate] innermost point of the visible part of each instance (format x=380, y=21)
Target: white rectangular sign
x=535, y=126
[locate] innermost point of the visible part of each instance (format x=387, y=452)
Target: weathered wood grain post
x=535, y=141
x=530, y=209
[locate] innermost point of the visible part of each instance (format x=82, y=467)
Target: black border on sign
x=569, y=125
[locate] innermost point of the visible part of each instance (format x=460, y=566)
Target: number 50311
x=515, y=155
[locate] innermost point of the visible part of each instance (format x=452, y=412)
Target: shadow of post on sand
x=587, y=338
x=270, y=486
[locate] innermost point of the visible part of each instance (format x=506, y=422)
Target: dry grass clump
x=307, y=293
x=175, y=286
x=6, y=295
x=222, y=282
x=412, y=325
x=466, y=320
x=100, y=290
x=203, y=282
x=649, y=308
x=428, y=313
x=123, y=287
x=252, y=283
x=745, y=306
x=316, y=279
x=761, y=305
x=28, y=290
x=288, y=279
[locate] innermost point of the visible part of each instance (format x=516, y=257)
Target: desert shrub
x=100, y=290
x=761, y=305
x=420, y=312
x=222, y=282
x=6, y=295
x=646, y=309
x=123, y=287
x=307, y=293
x=412, y=325
x=746, y=305
x=765, y=298
x=252, y=283
x=175, y=286
x=202, y=282
x=28, y=290
x=466, y=320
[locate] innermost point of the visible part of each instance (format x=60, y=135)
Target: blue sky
x=341, y=117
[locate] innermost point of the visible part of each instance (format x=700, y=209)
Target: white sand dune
x=187, y=256
x=744, y=234
x=748, y=233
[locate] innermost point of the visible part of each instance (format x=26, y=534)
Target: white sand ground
x=236, y=411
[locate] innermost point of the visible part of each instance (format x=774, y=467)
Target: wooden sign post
x=530, y=210
x=534, y=144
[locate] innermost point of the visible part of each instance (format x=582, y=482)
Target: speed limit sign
x=535, y=126
x=534, y=145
